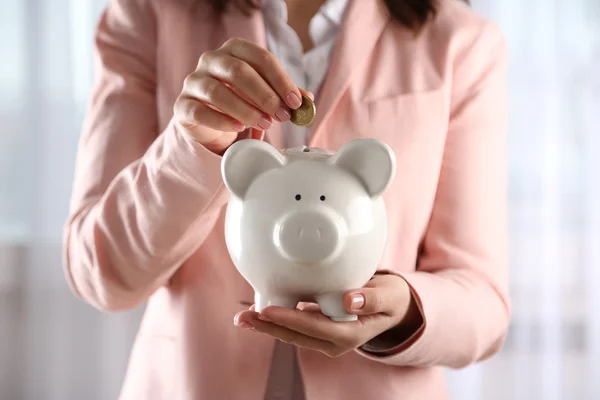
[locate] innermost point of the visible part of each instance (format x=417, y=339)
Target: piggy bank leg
x=332, y=305
x=263, y=300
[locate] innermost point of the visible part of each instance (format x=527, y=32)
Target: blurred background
x=53, y=347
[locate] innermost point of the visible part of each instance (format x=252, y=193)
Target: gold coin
x=305, y=114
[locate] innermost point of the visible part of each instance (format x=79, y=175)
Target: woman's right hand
x=238, y=86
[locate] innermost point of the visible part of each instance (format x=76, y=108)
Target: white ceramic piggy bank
x=305, y=224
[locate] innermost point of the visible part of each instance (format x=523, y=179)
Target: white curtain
x=54, y=347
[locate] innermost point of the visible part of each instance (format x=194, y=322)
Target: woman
x=178, y=81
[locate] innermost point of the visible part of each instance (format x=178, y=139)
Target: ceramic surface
x=304, y=224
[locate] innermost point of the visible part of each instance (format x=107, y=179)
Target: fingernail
x=264, y=318
x=238, y=126
x=282, y=114
x=293, y=100
x=358, y=301
x=245, y=325
x=264, y=123
x=241, y=324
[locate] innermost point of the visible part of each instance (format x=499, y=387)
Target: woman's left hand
x=382, y=304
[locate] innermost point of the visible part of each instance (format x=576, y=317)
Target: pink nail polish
x=358, y=301
x=264, y=123
x=236, y=320
x=293, y=100
x=282, y=115
x=241, y=324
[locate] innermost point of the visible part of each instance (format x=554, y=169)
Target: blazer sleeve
x=461, y=280
x=143, y=201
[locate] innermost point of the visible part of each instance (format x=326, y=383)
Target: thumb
x=368, y=301
x=307, y=93
x=380, y=295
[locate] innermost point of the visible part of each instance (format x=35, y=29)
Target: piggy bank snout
x=309, y=236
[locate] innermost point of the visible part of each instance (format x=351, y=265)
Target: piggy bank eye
x=298, y=197
x=322, y=198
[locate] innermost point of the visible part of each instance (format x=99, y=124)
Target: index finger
x=266, y=64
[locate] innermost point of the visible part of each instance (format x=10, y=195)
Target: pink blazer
x=146, y=218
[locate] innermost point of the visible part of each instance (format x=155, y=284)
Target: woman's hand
x=384, y=303
x=237, y=86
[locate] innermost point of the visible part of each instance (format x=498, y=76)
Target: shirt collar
x=332, y=9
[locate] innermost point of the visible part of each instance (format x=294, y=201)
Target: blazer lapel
x=363, y=24
x=252, y=29
x=249, y=27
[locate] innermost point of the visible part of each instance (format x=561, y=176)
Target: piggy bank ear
x=371, y=161
x=244, y=161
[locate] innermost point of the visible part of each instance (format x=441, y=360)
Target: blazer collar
x=362, y=26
